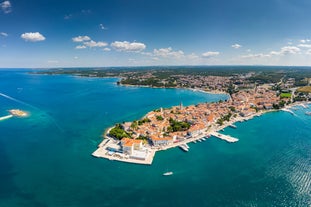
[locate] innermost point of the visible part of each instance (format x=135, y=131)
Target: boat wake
x=17, y=101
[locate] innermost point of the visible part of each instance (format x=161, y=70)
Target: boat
x=233, y=126
x=308, y=113
x=194, y=141
x=184, y=148
x=200, y=140
x=186, y=145
x=168, y=173
x=203, y=139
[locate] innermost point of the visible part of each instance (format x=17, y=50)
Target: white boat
x=233, y=126
x=200, y=140
x=194, y=141
x=203, y=139
x=184, y=148
x=186, y=145
x=308, y=113
x=168, y=173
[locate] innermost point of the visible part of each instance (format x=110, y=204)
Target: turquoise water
x=45, y=159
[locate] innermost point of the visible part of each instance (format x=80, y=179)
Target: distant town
x=250, y=93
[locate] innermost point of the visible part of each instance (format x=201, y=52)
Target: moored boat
x=184, y=148
x=168, y=173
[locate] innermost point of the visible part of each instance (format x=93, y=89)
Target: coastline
x=102, y=152
x=113, y=149
x=216, y=92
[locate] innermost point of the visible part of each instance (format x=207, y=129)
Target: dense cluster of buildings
x=201, y=118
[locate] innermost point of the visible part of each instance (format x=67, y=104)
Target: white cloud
x=210, y=54
x=6, y=7
x=95, y=44
x=236, y=46
x=128, y=46
x=106, y=49
x=168, y=52
x=81, y=38
x=193, y=56
x=289, y=50
x=88, y=42
x=33, y=36
x=305, y=41
x=3, y=34
x=255, y=56
x=75, y=57
x=304, y=45
x=53, y=61
x=102, y=27
x=286, y=50
x=308, y=52
x=80, y=47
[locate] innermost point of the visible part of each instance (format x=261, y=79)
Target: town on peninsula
x=250, y=93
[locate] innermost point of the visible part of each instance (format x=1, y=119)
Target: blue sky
x=71, y=33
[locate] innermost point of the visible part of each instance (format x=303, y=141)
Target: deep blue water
x=45, y=159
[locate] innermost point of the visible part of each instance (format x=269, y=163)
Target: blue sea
x=45, y=159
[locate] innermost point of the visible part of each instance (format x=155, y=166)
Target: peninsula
x=251, y=91
x=161, y=129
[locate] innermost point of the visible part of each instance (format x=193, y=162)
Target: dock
x=224, y=137
x=5, y=117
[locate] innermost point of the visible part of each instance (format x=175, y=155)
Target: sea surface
x=45, y=159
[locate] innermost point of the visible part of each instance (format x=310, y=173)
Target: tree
x=118, y=132
x=159, y=118
x=134, y=125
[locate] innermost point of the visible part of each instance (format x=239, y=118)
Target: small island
x=18, y=113
x=14, y=113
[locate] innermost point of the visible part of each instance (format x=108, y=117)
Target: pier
x=5, y=117
x=224, y=137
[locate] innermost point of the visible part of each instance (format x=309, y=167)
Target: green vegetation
x=141, y=137
x=134, y=125
x=142, y=121
x=224, y=118
x=285, y=95
x=159, y=118
x=118, y=132
x=232, y=108
x=220, y=121
x=176, y=126
x=281, y=104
